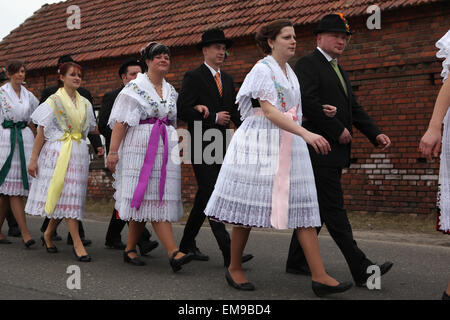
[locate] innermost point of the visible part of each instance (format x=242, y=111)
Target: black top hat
x=333, y=23
x=214, y=36
x=129, y=62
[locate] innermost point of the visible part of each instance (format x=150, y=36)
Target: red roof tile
x=120, y=27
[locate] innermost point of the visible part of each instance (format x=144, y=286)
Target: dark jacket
x=93, y=138
x=105, y=112
x=199, y=87
x=319, y=84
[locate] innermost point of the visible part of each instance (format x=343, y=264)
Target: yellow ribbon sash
x=57, y=182
x=73, y=120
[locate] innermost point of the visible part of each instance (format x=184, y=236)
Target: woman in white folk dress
x=16, y=143
x=266, y=179
x=144, y=156
x=60, y=159
x=432, y=140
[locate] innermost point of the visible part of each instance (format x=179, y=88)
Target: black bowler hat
x=127, y=63
x=333, y=23
x=214, y=36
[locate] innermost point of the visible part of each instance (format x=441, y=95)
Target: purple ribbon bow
x=159, y=129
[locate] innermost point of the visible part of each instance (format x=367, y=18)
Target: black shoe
x=198, y=255
x=29, y=243
x=85, y=258
x=135, y=261
x=14, y=232
x=302, y=270
x=245, y=258
x=5, y=241
x=49, y=249
x=146, y=246
x=322, y=289
x=118, y=244
x=177, y=263
x=384, y=268
x=86, y=242
x=445, y=296
x=247, y=286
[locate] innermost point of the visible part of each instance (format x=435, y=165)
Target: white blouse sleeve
x=126, y=109
x=258, y=84
x=43, y=116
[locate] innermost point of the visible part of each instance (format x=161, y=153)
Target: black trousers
x=80, y=228
x=116, y=226
x=206, y=176
x=334, y=216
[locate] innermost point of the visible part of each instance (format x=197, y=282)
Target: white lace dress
x=139, y=101
x=244, y=189
x=15, y=109
x=73, y=196
x=443, y=223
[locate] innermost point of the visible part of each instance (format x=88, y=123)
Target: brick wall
x=395, y=77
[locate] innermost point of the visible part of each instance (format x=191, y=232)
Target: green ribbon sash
x=16, y=130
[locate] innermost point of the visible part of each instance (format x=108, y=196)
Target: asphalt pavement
x=420, y=272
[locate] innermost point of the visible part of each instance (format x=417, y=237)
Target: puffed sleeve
x=258, y=84
x=43, y=115
x=126, y=109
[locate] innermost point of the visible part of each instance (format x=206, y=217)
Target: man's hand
x=100, y=151
x=384, y=141
x=329, y=110
x=345, y=137
x=203, y=110
x=223, y=118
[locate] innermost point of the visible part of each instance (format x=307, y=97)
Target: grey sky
x=15, y=12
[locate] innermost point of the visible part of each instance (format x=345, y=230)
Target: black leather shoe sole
x=247, y=286
x=177, y=263
x=199, y=257
x=147, y=247
x=322, y=290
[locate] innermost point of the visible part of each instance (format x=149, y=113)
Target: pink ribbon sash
x=281, y=184
x=159, y=129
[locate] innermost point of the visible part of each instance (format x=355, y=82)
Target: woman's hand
x=430, y=144
x=111, y=161
x=329, y=110
x=33, y=168
x=319, y=143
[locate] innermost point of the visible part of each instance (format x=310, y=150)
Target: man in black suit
x=323, y=82
x=127, y=72
x=93, y=138
x=207, y=101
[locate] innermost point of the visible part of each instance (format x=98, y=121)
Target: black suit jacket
x=105, y=112
x=199, y=87
x=319, y=84
x=93, y=138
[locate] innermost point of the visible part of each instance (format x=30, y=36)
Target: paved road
x=421, y=271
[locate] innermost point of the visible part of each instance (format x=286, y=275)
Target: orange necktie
x=219, y=85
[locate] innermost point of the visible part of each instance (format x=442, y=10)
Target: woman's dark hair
x=14, y=66
x=152, y=50
x=270, y=31
x=64, y=68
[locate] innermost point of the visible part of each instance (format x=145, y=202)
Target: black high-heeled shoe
x=177, y=263
x=247, y=286
x=49, y=249
x=29, y=243
x=135, y=261
x=85, y=258
x=322, y=290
